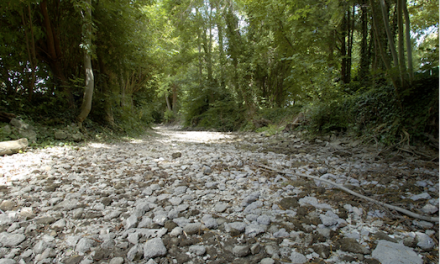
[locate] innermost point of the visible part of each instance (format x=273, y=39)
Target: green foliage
x=377, y=113
x=270, y=130
x=168, y=116
x=221, y=116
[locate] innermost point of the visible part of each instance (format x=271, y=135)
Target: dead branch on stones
x=392, y=207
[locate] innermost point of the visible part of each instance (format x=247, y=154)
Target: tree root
x=392, y=207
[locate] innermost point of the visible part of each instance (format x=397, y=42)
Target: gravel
x=200, y=197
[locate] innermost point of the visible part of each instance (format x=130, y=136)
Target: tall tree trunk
x=400, y=43
x=364, y=64
x=55, y=55
x=344, y=49
x=175, y=99
x=350, y=34
x=408, y=42
x=30, y=46
x=382, y=51
x=389, y=33
x=86, y=105
x=220, y=47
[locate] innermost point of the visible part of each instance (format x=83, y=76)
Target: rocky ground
x=203, y=197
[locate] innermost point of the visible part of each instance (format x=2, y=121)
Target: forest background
x=368, y=68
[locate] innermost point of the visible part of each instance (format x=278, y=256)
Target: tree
x=86, y=105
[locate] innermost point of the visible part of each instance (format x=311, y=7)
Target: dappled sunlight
x=193, y=136
x=99, y=145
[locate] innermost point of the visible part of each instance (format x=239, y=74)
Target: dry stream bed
x=204, y=197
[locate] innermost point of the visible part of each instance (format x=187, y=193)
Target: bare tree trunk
x=364, y=64
x=175, y=99
x=389, y=34
x=408, y=42
x=54, y=54
x=400, y=43
x=86, y=105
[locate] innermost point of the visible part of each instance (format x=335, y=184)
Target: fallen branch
x=392, y=207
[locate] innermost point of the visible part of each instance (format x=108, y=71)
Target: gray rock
x=7, y=261
x=422, y=196
x=134, y=252
x=263, y=220
x=297, y=257
x=60, y=135
x=5, y=220
x=20, y=124
x=429, y=209
x=390, y=253
x=221, y=207
x=177, y=231
x=131, y=222
x=198, y=250
x=77, y=137
x=60, y=224
x=117, y=260
x=423, y=224
x=29, y=134
x=180, y=190
x=211, y=223
x=239, y=226
x=329, y=219
x=250, y=198
x=424, y=241
x=84, y=245
x=267, y=261
x=133, y=238
x=39, y=247
x=5, y=130
x=154, y=248
x=252, y=230
x=145, y=222
x=160, y=218
x=77, y=213
x=241, y=251
x=255, y=248
x=281, y=233
x=193, y=228
x=175, y=201
x=108, y=244
x=207, y=170
x=11, y=240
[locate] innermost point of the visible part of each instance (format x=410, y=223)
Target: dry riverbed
x=204, y=197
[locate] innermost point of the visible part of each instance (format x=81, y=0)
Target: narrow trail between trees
x=203, y=197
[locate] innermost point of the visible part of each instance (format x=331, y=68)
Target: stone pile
x=179, y=198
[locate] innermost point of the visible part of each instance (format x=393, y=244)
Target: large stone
x=11, y=240
x=29, y=134
x=424, y=241
x=7, y=261
x=13, y=146
x=154, y=248
x=198, y=250
x=241, y=251
x=389, y=253
x=84, y=245
x=60, y=135
x=297, y=258
x=193, y=228
x=20, y=124
x=5, y=130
